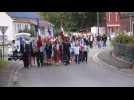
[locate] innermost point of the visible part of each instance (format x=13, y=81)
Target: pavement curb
x=14, y=76
x=122, y=60
x=99, y=61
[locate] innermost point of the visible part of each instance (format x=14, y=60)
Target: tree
x=72, y=21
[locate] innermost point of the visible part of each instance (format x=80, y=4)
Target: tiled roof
x=29, y=17
x=24, y=14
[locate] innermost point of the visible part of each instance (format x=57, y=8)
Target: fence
x=124, y=51
x=0, y=54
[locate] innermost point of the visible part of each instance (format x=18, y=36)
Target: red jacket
x=39, y=42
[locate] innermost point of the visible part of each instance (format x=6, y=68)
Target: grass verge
x=3, y=63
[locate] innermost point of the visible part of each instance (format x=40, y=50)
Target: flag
x=37, y=26
x=62, y=33
x=81, y=42
x=50, y=32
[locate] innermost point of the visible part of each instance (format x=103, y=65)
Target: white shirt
x=91, y=38
x=85, y=48
x=41, y=49
x=76, y=50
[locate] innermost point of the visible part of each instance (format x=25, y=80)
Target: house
x=112, y=22
x=22, y=21
x=120, y=22
x=127, y=21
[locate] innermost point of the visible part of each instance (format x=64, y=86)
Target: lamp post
x=130, y=18
x=3, y=30
x=98, y=21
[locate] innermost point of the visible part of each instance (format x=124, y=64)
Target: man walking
x=99, y=41
x=104, y=39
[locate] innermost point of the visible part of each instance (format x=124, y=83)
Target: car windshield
x=27, y=38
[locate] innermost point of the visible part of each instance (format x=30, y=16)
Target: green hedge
x=124, y=46
x=123, y=38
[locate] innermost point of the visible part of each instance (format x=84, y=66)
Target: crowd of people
x=48, y=51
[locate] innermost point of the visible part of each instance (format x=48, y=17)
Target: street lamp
x=3, y=30
x=98, y=21
x=130, y=23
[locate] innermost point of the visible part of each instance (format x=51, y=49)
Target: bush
x=123, y=38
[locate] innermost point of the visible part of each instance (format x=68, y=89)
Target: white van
x=25, y=36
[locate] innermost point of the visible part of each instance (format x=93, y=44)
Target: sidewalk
x=7, y=73
x=106, y=56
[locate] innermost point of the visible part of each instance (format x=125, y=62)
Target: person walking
x=39, y=52
x=104, y=39
x=56, y=49
x=21, y=47
x=86, y=50
x=91, y=41
x=66, y=51
x=76, y=53
x=99, y=41
x=34, y=52
x=26, y=55
x=72, y=51
x=48, y=49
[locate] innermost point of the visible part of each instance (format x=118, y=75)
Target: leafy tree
x=72, y=21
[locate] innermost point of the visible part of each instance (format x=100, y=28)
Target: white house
x=6, y=20
x=19, y=21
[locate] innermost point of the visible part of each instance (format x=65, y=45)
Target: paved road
x=81, y=75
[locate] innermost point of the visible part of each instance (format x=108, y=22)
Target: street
x=74, y=75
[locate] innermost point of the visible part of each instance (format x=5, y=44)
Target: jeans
x=40, y=59
x=99, y=44
x=104, y=43
x=77, y=59
x=85, y=56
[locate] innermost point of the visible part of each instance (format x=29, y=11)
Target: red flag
x=62, y=33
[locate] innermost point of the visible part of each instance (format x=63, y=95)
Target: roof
x=27, y=17
x=31, y=15
x=126, y=14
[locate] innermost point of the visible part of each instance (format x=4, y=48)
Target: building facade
x=21, y=22
x=127, y=22
x=120, y=22
x=112, y=22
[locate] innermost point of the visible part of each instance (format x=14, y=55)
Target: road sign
x=3, y=29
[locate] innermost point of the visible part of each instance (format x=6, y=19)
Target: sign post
x=3, y=30
x=98, y=21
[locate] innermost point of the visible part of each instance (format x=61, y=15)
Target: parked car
x=17, y=55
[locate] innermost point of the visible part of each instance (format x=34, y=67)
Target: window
x=109, y=16
x=29, y=26
x=133, y=27
x=116, y=14
x=18, y=25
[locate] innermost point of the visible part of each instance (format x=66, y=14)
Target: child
x=76, y=52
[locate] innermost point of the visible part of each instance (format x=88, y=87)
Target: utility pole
x=3, y=30
x=130, y=24
x=98, y=21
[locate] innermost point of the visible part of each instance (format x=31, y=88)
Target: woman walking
x=39, y=55
x=48, y=49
